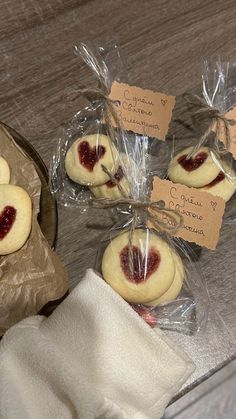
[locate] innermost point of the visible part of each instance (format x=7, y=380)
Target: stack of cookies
x=93, y=161
x=146, y=272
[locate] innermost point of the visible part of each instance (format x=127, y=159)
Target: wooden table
x=162, y=43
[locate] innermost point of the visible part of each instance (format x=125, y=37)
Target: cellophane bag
x=219, y=91
x=149, y=268
x=86, y=155
x=213, y=117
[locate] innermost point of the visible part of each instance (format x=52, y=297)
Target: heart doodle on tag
x=214, y=205
x=164, y=102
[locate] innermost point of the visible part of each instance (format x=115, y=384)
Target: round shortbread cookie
x=153, y=266
x=195, y=172
x=15, y=218
x=110, y=189
x=85, y=158
x=175, y=288
x=4, y=172
x=224, y=185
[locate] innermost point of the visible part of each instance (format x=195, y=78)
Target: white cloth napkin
x=94, y=357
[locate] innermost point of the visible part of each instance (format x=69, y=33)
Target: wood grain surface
x=162, y=43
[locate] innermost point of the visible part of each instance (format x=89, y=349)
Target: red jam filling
x=89, y=156
x=218, y=179
x=118, y=176
x=7, y=218
x=138, y=268
x=193, y=163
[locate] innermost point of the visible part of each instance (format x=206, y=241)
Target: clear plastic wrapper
x=182, y=302
x=219, y=81
x=78, y=176
x=208, y=163
x=219, y=91
x=149, y=268
x=86, y=156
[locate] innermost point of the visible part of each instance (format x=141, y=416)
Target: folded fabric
x=94, y=357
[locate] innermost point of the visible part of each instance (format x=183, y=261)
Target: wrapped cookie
x=141, y=260
x=87, y=155
x=209, y=163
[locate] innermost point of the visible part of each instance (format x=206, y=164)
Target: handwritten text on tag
x=202, y=212
x=143, y=111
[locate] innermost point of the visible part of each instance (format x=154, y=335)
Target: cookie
x=224, y=185
x=152, y=267
x=15, y=218
x=87, y=155
x=110, y=189
x=196, y=171
x=175, y=288
x=4, y=172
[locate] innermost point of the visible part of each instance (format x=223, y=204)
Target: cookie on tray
x=15, y=218
x=4, y=172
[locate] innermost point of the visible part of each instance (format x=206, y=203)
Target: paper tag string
x=216, y=122
x=153, y=210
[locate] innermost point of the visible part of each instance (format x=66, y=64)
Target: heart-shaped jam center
x=89, y=156
x=218, y=179
x=192, y=163
x=7, y=218
x=118, y=176
x=136, y=267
